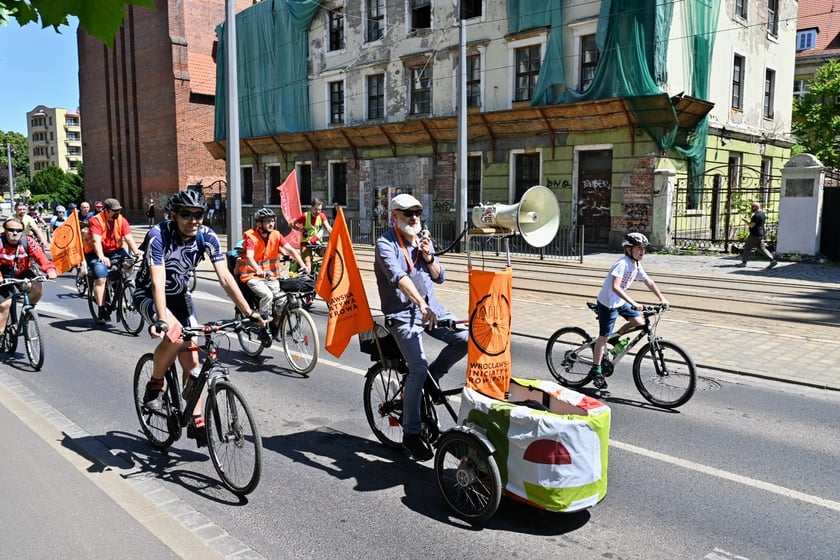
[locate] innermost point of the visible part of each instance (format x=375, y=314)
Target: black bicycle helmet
x=263, y=214
x=634, y=239
x=186, y=199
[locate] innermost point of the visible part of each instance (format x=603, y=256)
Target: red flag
x=290, y=205
x=340, y=285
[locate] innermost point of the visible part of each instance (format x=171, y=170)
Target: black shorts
x=180, y=305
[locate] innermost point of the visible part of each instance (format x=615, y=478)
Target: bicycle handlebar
x=14, y=281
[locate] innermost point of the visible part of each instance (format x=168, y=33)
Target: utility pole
x=9, y=154
x=234, y=174
x=461, y=161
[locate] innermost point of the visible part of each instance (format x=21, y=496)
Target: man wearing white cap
x=406, y=271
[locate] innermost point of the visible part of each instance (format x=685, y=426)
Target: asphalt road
x=744, y=470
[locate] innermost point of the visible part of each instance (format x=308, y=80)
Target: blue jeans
x=98, y=267
x=409, y=338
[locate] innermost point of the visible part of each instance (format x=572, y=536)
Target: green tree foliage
x=816, y=116
x=20, y=157
x=100, y=18
x=52, y=183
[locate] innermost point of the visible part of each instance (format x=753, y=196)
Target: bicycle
x=293, y=327
x=233, y=439
x=23, y=321
x=82, y=280
x=663, y=371
x=468, y=475
x=118, y=296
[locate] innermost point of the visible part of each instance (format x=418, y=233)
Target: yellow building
x=55, y=138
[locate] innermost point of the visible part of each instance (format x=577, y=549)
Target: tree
x=816, y=116
x=20, y=159
x=100, y=18
x=52, y=183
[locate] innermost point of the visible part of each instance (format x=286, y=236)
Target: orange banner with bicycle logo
x=66, y=249
x=488, y=358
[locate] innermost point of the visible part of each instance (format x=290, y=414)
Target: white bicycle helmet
x=634, y=239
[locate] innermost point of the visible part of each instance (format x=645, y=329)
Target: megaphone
x=536, y=217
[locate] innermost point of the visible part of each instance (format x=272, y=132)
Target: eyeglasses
x=14, y=230
x=197, y=215
x=412, y=213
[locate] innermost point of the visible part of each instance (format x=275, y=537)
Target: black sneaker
x=153, y=394
x=415, y=446
x=598, y=379
x=275, y=329
x=197, y=432
x=773, y=263
x=104, y=316
x=265, y=337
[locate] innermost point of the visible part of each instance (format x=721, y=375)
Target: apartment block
x=55, y=139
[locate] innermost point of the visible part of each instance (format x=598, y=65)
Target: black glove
x=161, y=326
x=255, y=315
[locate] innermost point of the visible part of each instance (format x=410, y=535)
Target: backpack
x=233, y=256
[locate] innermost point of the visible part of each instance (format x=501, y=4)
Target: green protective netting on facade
x=272, y=40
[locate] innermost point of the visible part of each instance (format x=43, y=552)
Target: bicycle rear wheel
x=384, y=405
x=299, y=336
x=81, y=281
x=32, y=339
x=249, y=337
x=569, y=354
x=11, y=336
x=130, y=316
x=233, y=438
x=664, y=374
x=468, y=476
x=162, y=426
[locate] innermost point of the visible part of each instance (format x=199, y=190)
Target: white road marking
x=53, y=310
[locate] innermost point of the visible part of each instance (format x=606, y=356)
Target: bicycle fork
x=234, y=429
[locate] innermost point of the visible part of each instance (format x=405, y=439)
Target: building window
x=337, y=102
x=470, y=9
x=588, y=60
x=73, y=136
x=336, y=30
x=474, y=81
x=338, y=178
x=800, y=88
x=71, y=121
x=741, y=9
x=738, y=82
x=420, y=90
x=766, y=172
x=473, y=181
x=275, y=179
x=376, y=96
x=527, y=72
x=769, y=93
x=734, y=170
x=773, y=17
x=247, y=185
x=375, y=20
x=526, y=174
x=421, y=14
x=806, y=40
x=305, y=183
x=74, y=151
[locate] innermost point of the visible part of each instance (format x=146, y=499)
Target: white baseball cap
x=404, y=202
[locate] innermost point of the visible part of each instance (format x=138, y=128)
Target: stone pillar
x=663, y=204
x=800, y=206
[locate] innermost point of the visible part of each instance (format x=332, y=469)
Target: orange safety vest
x=87, y=241
x=118, y=223
x=267, y=254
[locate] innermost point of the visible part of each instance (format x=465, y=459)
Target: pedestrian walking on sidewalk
x=756, y=237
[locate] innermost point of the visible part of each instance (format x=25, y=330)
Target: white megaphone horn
x=536, y=217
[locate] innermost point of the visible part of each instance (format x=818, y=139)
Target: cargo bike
x=536, y=442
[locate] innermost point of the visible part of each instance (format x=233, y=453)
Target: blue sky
x=37, y=67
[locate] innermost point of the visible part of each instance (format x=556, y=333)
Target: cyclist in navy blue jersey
x=172, y=251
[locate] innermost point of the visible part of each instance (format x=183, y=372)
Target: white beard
x=409, y=229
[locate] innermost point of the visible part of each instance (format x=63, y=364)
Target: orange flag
x=67, y=249
x=488, y=357
x=290, y=205
x=340, y=285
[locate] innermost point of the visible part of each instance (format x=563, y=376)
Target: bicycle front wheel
x=106, y=298
x=468, y=476
x=233, y=439
x=32, y=339
x=159, y=424
x=300, y=340
x=384, y=404
x=81, y=282
x=664, y=374
x=130, y=316
x=249, y=338
x=569, y=354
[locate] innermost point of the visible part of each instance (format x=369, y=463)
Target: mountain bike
x=233, y=439
x=23, y=321
x=118, y=296
x=663, y=371
x=467, y=473
x=291, y=325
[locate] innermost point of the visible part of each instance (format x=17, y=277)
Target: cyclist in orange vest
x=262, y=247
x=108, y=229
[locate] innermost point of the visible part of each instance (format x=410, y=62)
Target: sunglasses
x=197, y=215
x=14, y=230
x=412, y=213
x=117, y=211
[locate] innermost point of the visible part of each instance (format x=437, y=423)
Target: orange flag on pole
x=340, y=285
x=488, y=357
x=290, y=205
x=67, y=249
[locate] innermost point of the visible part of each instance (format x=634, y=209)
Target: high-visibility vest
x=266, y=254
